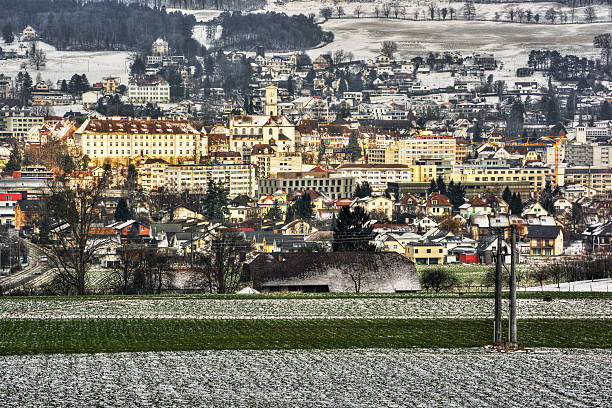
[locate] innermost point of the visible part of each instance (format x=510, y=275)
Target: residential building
x=160, y=48
x=379, y=204
x=545, y=240
x=428, y=146
x=238, y=179
x=425, y=253
x=377, y=175
x=145, y=89
x=122, y=140
x=333, y=186
x=15, y=123
x=110, y=84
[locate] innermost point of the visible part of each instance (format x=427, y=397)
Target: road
x=35, y=272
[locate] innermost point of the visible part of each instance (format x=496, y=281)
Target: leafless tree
x=72, y=211
x=340, y=11
x=589, y=14
x=357, y=11
x=228, y=252
x=388, y=48
x=386, y=10
x=38, y=58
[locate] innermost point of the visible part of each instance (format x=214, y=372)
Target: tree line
x=273, y=31
x=108, y=25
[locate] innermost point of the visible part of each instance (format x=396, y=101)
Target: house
x=27, y=212
x=376, y=206
x=378, y=272
x=322, y=62
x=131, y=229
x=598, y=237
x=487, y=249
x=299, y=227
x=425, y=253
x=437, y=205
x=562, y=205
x=28, y=34
x=184, y=213
x=242, y=208
x=534, y=209
x=546, y=240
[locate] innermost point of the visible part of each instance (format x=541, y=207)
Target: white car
x=43, y=259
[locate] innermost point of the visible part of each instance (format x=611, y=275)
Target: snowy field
x=510, y=42
x=368, y=308
x=333, y=378
x=597, y=285
x=63, y=64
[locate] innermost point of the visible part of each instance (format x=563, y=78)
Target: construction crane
x=555, y=142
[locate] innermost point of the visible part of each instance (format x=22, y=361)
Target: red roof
x=438, y=200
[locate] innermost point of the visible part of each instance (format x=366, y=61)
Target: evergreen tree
x=477, y=132
x=433, y=187
x=14, y=161
x=553, y=112
x=456, y=194
x=507, y=195
x=123, y=211
x=516, y=204
x=322, y=151
x=547, y=198
x=7, y=33
x=516, y=119
x=131, y=178
x=303, y=207
x=363, y=190
x=351, y=232
x=605, y=113
x=353, y=148
x=290, y=215
x=441, y=185
x=67, y=164
x=274, y=213
x=215, y=204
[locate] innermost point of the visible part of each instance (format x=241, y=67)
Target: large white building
x=270, y=128
x=377, y=175
x=238, y=178
x=144, y=89
x=122, y=140
x=427, y=146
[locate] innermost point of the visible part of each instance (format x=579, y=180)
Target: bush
x=439, y=279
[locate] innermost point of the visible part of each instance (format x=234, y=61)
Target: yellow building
x=151, y=173
x=536, y=176
x=378, y=204
x=425, y=253
x=122, y=140
x=422, y=173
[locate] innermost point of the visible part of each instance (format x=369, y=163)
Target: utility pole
x=497, y=340
x=513, y=261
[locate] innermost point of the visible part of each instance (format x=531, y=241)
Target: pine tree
x=441, y=185
x=274, y=213
x=123, y=211
x=516, y=119
x=303, y=207
x=353, y=148
x=605, y=113
x=7, y=33
x=351, y=232
x=363, y=190
x=322, y=151
x=433, y=187
x=14, y=161
x=456, y=194
x=507, y=195
x=215, y=205
x=131, y=178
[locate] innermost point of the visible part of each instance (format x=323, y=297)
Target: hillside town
x=429, y=166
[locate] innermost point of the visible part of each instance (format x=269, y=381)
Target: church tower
x=271, y=98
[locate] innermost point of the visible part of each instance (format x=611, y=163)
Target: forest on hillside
x=228, y=5
x=108, y=25
x=273, y=31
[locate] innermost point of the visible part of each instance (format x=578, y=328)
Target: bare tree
x=589, y=14
x=340, y=11
x=604, y=41
x=38, y=58
x=386, y=10
x=377, y=11
x=228, y=252
x=551, y=15
x=72, y=211
x=357, y=11
x=388, y=48
x=339, y=57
